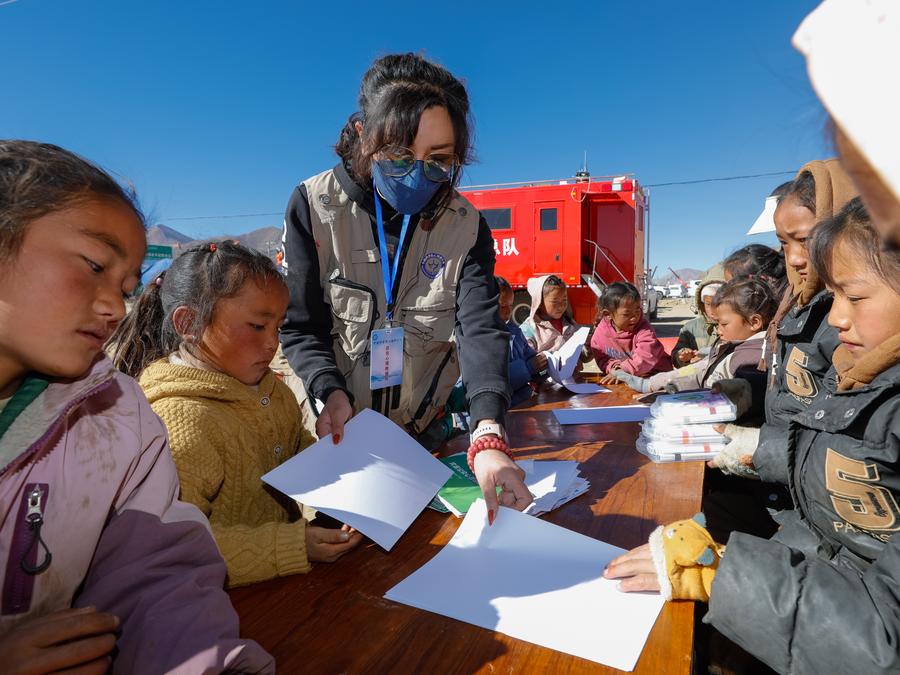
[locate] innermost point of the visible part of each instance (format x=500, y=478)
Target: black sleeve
x=482, y=339
x=686, y=340
x=306, y=334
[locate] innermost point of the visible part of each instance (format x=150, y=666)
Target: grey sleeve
x=802, y=614
x=771, y=456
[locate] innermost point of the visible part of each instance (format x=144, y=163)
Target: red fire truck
x=588, y=231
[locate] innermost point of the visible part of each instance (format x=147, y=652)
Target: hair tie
x=212, y=248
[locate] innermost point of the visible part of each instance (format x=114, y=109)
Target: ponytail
x=140, y=339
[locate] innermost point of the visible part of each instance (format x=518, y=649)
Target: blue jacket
x=520, y=372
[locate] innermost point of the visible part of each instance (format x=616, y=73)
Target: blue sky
x=221, y=108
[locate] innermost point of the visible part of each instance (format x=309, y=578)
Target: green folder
x=460, y=491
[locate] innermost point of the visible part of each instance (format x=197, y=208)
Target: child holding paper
x=743, y=307
x=835, y=555
x=550, y=322
x=201, y=338
x=624, y=340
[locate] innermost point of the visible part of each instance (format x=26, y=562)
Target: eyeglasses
x=397, y=161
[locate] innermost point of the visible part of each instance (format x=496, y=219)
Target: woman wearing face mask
x=390, y=271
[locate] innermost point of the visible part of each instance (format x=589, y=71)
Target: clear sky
x=220, y=108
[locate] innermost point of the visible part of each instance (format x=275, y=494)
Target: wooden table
x=335, y=619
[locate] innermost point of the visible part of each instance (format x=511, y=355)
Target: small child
x=202, y=338
x=103, y=567
x=624, y=340
x=760, y=262
x=550, y=322
x=525, y=364
x=743, y=307
x=837, y=546
x=697, y=336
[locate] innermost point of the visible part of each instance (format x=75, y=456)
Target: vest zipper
x=429, y=395
x=28, y=553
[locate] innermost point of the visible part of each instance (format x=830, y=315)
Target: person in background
x=697, y=336
x=103, y=567
x=525, y=364
x=550, y=322
x=624, y=340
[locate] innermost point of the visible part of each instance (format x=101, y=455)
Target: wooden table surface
x=335, y=619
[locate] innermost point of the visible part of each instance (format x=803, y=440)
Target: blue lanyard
x=388, y=275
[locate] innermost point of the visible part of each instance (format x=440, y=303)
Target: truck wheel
x=521, y=307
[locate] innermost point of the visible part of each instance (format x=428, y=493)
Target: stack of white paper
x=377, y=479
x=561, y=364
x=682, y=427
x=605, y=415
x=552, y=483
x=534, y=581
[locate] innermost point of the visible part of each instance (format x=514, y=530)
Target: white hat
x=851, y=49
x=766, y=220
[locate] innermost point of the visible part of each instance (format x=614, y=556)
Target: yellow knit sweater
x=224, y=437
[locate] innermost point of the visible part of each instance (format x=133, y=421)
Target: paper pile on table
x=534, y=581
x=681, y=427
x=551, y=482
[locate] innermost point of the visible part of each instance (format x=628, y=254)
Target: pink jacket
x=97, y=457
x=540, y=334
x=640, y=353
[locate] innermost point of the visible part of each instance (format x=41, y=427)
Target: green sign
x=157, y=252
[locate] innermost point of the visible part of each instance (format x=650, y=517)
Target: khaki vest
x=425, y=303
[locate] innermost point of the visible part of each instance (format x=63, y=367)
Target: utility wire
x=716, y=180
x=652, y=185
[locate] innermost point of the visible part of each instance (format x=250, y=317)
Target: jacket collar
x=41, y=418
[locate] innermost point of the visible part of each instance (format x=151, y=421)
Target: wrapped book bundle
x=681, y=426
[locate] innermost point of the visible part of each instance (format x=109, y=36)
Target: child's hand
x=334, y=416
x=71, y=638
x=613, y=364
x=538, y=362
x=686, y=355
x=636, y=569
x=327, y=545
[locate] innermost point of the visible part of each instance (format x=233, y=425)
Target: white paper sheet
x=534, y=581
x=377, y=479
x=615, y=413
x=583, y=387
x=561, y=364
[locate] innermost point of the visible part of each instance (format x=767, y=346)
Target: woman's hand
x=324, y=544
x=79, y=639
x=334, y=416
x=494, y=469
x=636, y=570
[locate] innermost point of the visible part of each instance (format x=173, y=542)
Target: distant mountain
x=265, y=239
x=686, y=274
x=164, y=235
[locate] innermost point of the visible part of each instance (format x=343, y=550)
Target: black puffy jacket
x=823, y=595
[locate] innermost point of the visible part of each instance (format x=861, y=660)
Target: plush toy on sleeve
x=686, y=559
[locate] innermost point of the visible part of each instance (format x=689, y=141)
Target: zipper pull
x=34, y=519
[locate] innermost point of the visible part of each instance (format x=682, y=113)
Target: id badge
x=386, y=350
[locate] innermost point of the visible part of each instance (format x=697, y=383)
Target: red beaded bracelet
x=486, y=443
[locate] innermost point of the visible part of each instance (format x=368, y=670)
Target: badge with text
x=386, y=368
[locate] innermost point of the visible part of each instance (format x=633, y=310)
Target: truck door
x=548, y=237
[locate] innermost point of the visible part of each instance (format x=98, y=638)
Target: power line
x=716, y=180
x=652, y=185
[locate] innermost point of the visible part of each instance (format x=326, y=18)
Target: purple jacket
x=639, y=353
x=120, y=539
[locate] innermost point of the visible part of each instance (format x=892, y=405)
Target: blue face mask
x=407, y=194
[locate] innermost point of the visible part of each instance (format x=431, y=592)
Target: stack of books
x=681, y=426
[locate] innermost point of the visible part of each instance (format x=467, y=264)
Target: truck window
x=548, y=219
x=498, y=219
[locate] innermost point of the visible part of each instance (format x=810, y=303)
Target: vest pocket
x=353, y=307
x=432, y=320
